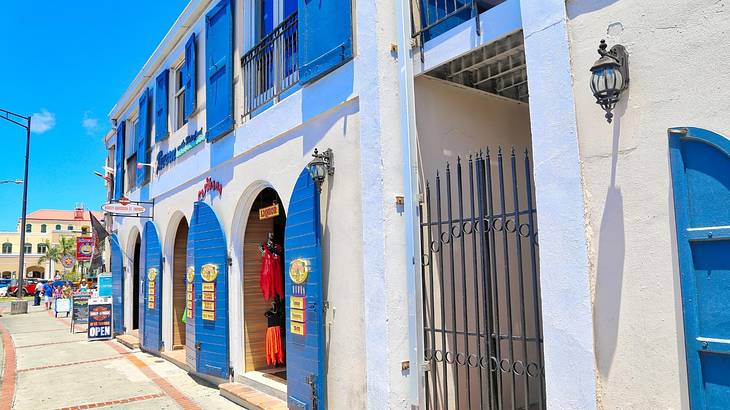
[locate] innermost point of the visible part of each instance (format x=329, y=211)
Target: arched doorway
x=179, y=267
x=151, y=335
x=136, y=261
x=263, y=291
x=35, y=272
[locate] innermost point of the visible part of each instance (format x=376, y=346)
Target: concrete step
x=250, y=398
x=128, y=340
x=176, y=357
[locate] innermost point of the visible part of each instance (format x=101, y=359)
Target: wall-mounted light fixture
x=610, y=77
x=321, y=166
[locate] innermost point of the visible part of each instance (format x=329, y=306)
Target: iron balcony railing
x=270, y=67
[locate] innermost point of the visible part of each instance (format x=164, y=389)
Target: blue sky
x=68, y=63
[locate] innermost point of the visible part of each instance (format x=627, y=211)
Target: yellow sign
x=190, y=295
x=297, y=328
x=190, y=287
x=296, y=302
x=207, y=315
x=296, y=315
x=209, y=272
x=190, y=307
x=208, y=287
x=209, y=306
x=151, y=290
x=151, y=274
x=191, y=274
x=269, y=212
x=299, y=270
x=151, y=304
x=209, y=296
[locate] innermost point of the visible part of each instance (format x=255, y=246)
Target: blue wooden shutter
x=152, y=324
x=119, y=161
x=325, y=37
x=189, y=77
x=305, y=353
x=117, y=269
x=218, y=76
x=143, y=136
x=161, y=101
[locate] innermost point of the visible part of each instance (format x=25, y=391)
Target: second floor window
x=28, y=227
x=58, y=227
x=7, y=247
x=70, y=227
x=28, y=248
x=178, y=91
x=42, y=248
x=43, y=228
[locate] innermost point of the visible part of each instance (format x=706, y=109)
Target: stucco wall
x=678, y=77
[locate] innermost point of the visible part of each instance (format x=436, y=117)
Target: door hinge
x=313, y=389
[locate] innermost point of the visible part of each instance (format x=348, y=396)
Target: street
x=44, y=366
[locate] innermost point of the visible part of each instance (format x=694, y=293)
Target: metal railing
x=427, y=14
x=270, y=67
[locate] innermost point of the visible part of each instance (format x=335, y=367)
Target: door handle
x=198, y=346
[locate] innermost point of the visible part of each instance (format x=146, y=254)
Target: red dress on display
x=272, y=283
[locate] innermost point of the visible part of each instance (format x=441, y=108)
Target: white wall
x=678, y=77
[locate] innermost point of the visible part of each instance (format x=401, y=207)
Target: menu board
x=209, y=273
x=151, y=288
x=80, y=312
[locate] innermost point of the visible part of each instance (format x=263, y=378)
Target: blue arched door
x=191, y=355
x=701, y=181
x=151, y=278
x=304, y=298
x=210, y=286
x=117, y=269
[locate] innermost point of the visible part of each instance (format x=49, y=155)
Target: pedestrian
x=38, y=294
x=49, y=295
x=66, y=290
x=83, y=287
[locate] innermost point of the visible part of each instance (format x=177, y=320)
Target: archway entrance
x=35, y=272
x=264, y=320
x=178, y=284
x=135, y=282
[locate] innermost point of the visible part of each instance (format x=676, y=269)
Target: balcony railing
x=270, y=67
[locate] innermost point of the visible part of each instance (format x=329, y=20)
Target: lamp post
x=21, y=306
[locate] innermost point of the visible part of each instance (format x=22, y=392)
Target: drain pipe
x=416, y=366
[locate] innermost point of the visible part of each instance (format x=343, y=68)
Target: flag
x=99, y=235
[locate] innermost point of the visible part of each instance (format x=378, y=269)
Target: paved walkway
x=44, y=366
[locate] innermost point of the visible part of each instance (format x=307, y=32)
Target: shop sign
x=297, y=317
x=100, y=319
x=298, y=328
x=151, y=280
x=209, y=273
x=299, y=270
x=269, y=212
x=84, y=248
x=68, y=261
x=104, y=283
x=79, y=309
x=164, y=159
x=210, y=185
x=123, y=208
x=189, y=301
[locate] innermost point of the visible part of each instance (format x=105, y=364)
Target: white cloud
x=90, y=124
x=42, y=121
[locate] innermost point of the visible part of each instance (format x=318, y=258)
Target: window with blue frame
x=28, y=227
x=270, y=66
x=43, y=228
x=58, y=227
x=7, y=247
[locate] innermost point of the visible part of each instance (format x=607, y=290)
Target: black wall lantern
x=610, y=76
x=321, y=166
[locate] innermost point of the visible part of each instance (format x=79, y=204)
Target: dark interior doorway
x=264, y=235
x=179, y=285
x=135, y=284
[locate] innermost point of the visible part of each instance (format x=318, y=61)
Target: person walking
x=39, y=292
x=49, y=295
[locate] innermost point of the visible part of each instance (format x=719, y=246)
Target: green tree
x=67, y=246
x=53, y=253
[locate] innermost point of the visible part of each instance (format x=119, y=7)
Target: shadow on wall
x=578, y=7
x=610, y=267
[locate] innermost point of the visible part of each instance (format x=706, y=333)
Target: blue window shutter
x=218, y=67
x=161, y=101
x=119, y=160
x=189, y=76
x=143, y=136
x=325, y=37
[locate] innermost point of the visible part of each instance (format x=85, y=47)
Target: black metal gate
x=481, y=296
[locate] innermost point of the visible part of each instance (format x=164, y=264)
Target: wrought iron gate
x=481, y=296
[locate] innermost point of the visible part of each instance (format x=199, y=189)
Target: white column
x=570, y=369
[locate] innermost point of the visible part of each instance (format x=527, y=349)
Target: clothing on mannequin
x=272, y=282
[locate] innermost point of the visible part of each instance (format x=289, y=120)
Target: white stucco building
x=482, y=236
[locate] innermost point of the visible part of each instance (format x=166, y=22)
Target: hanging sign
x=164, y=159
x=151, y=280
x=269, y=212
x=123, y=209
x=100, y=319
x=210, y=185
x=84, y=248
x=68, y=261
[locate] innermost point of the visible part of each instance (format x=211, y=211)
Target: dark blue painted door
x=304, y=298
x=117, y=269
x=701, y=182
x=210, y=259
x=191, y=355
x=152, y=289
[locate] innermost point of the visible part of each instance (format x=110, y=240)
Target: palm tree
x=67, y=246
x=52, y=254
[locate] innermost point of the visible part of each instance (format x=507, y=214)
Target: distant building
x=42, y=227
